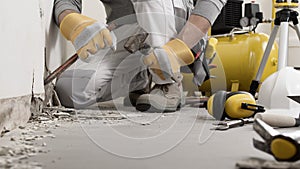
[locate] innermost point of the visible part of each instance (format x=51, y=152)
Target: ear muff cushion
x=233, y=105
x=216, y=105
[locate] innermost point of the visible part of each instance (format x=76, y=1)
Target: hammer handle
x=276, y=120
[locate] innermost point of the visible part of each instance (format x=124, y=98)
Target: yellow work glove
x=168, y=59
x=86, y=34
x=211, y=48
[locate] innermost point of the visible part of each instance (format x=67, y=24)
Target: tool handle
x=60, y=69
x=276, y=120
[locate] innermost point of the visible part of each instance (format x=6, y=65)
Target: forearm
x=63, y=7
x=203, y=16
x=209, y=9
x=195, y=28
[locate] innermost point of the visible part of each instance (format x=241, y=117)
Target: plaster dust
x=106, y=136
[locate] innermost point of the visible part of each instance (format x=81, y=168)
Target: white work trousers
x=116, y=73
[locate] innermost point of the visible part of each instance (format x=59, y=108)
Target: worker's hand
x=87, y=35
x=168, y=59
x=211, y=48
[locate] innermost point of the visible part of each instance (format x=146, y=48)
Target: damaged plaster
x=14, y=112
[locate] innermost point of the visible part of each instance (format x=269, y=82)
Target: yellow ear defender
x=232, y=105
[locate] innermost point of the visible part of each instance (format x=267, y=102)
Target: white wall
x=22, y=48
x=26, y=28
x=55, y=44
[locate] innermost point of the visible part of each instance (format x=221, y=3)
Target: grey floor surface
x=141, y=140
x=108, y=137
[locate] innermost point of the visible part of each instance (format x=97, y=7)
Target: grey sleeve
x=209, y=9
x=61, y=5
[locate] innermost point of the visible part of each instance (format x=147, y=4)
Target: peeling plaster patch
x=14, y=112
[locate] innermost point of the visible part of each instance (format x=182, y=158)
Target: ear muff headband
x=229, y=94
x=216, y=105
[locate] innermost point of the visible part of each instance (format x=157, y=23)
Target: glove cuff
x=73, y=24
x=178, y=48
x=211, y=48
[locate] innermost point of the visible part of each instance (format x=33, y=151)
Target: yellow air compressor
x=239, y=50
x=237, y=59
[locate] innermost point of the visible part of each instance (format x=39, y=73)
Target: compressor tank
x=238, y=59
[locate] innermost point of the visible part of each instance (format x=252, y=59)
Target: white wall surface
x=22, y=48
x=54, y=43
x=24, y=35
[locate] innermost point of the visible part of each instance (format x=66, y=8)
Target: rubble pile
x=18, y=145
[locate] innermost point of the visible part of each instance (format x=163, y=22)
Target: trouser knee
x=70, y=88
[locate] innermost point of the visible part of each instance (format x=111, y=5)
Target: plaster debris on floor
x=17, y=146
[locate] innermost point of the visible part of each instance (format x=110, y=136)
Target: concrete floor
x=108, y=138
x=142, y=140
